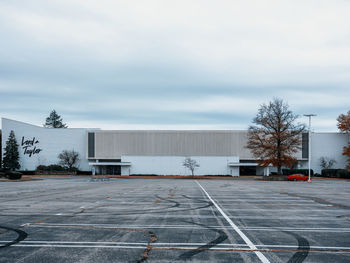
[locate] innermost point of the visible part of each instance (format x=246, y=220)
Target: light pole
x=309, y=115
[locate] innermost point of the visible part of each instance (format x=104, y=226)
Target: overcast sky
x=173, y=64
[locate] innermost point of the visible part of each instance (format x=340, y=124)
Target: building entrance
x=247, y=170
x=110, y=170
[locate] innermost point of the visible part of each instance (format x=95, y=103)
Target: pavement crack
x=145, y=254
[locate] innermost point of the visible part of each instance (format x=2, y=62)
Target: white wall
x=172, y=165
x=51, y=142
x=328, y=145
x=54, y=141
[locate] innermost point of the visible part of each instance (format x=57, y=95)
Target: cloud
x=173, y=63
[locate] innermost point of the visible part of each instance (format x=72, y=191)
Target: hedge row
x=188, y=175
x=51, y=168
x=54, y=168
x=12, y=175
x=57, y=169
x=335, y=173
x=78, y=172
x=26, y=172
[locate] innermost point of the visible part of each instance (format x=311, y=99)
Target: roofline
x=37, y=126
x=127, y=130
x=173, y=130
x=2, y=118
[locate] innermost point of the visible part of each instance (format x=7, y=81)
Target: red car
x=298, y=177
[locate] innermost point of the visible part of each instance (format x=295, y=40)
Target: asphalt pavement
x=173, y=220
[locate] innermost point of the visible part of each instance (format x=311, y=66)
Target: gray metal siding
x=114, y=144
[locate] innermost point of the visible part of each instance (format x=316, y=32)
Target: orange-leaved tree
x=275, y=137
x=344, y=126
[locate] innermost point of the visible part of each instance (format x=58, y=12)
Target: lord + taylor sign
x=30, y=146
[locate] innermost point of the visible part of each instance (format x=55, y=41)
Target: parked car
x=298, y=177
x=12, y=175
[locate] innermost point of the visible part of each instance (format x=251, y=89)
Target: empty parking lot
x=174, y=220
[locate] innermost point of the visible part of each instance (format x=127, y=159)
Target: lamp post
x=309, y=115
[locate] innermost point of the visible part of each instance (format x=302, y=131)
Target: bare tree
x=68, y=159
x=327, y=163
x=274, y=138
x=191, y=164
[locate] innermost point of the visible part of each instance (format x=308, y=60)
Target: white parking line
x=275, y=229
x=157, y=245
x=154, y=248
x=243, y=236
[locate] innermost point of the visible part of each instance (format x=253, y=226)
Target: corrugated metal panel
x=114, y=144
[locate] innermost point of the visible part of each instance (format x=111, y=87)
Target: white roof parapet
x=244, y=164
x=111, y=163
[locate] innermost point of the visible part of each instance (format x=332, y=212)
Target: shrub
x=342, y=173
x=329, y=173
x=41, y=168
x=83, y=172
x=14, y=175
x=27, y=172
x=336, y=173
x=50, y=168
x=297, y=171
x=55, y=168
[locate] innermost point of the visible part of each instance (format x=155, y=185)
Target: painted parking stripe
x=286, y=218
x=277, y=229
x=135, y=244
x=235, y=227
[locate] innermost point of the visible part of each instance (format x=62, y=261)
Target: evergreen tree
x=11, y=154
x=54, y=121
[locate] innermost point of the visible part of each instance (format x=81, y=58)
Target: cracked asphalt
x=174, y=220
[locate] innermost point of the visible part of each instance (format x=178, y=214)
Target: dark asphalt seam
x=155, y=211
x=222, y=237
x=21, y=236
x=302, y=250
x=284, y=250
x=176, y=204
x=144, y=254
x=318, y=200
